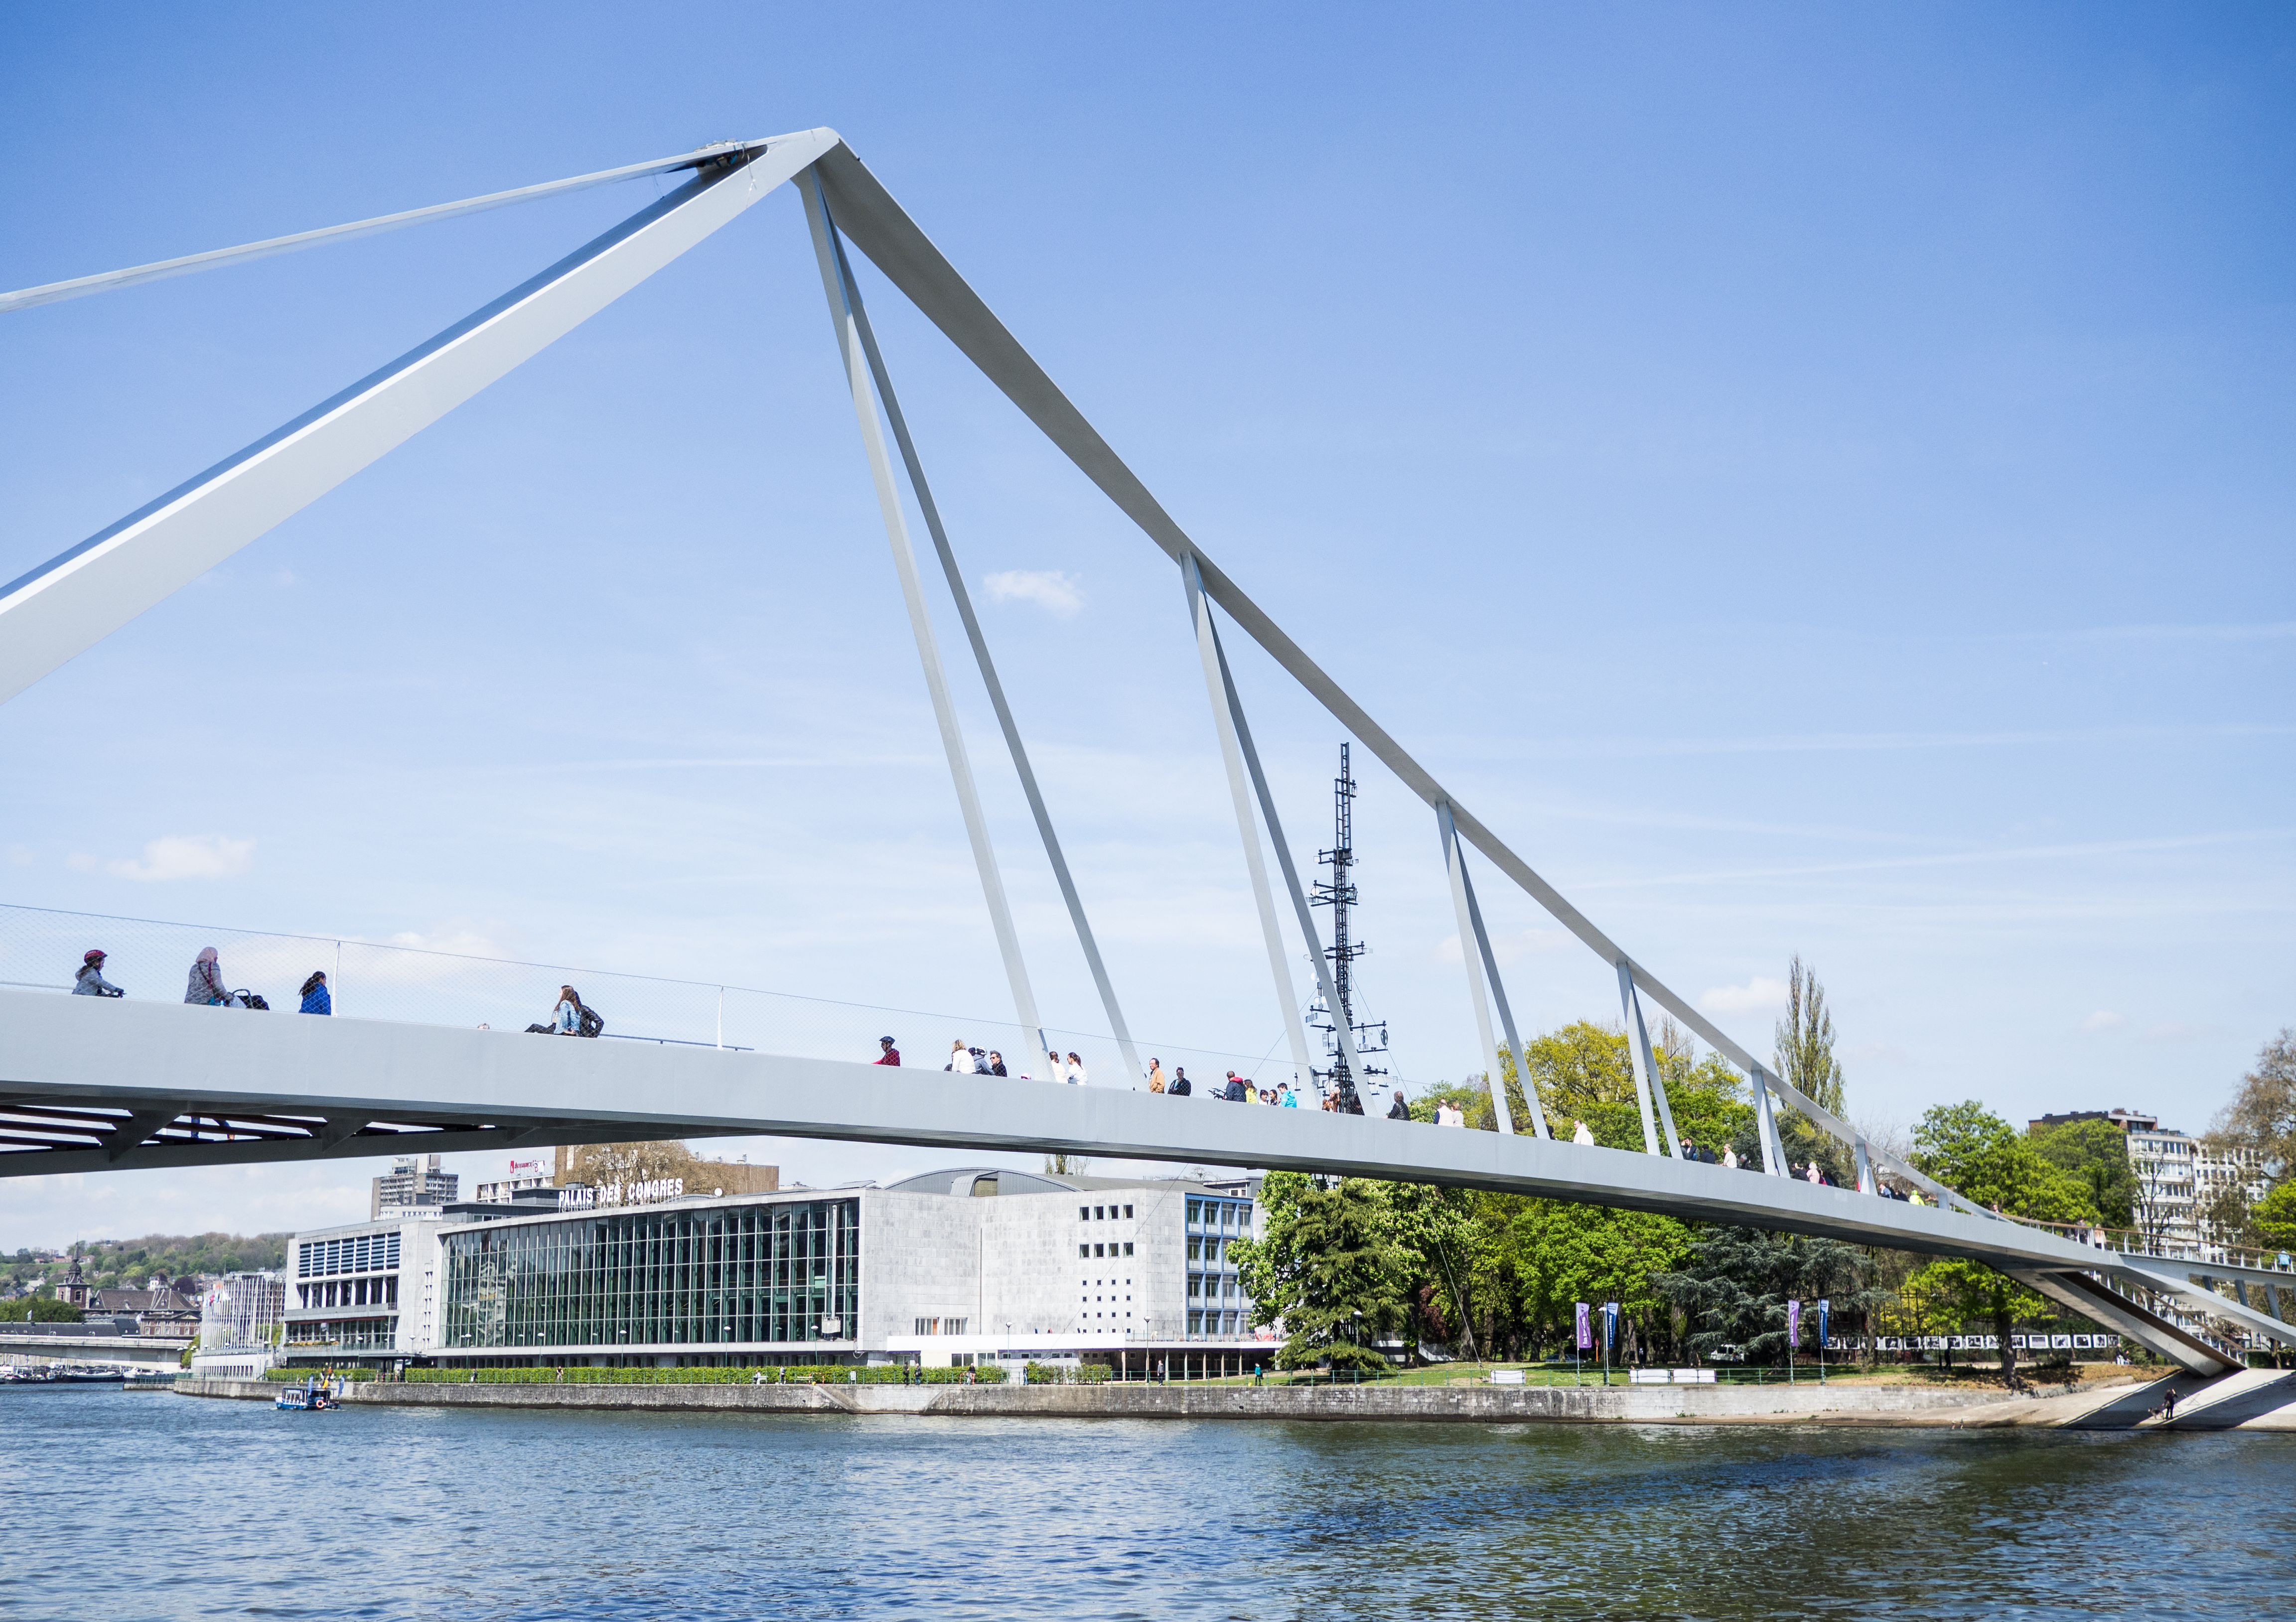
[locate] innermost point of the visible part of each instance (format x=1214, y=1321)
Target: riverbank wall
x=1474, y=1404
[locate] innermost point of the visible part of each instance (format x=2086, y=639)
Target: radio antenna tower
x=1340, y=896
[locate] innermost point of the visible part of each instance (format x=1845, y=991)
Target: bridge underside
x=94, y=1084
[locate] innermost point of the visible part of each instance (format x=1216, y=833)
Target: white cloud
x=1054, y=590
x=187, y=855
x=2103, y=1018
x=1510, y=949
x=1760, y=995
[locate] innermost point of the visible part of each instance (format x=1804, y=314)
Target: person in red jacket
x=891, y=1055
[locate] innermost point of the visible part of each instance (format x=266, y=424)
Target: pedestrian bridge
x=98, y=1085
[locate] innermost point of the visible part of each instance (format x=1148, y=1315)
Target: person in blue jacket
x=315, y=997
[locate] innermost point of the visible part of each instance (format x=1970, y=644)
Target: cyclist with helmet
x=89, y=982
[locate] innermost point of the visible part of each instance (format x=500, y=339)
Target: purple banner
x=1586, y=1330
x=1793, y=1323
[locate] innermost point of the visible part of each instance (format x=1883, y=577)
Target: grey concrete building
x=969, y=1264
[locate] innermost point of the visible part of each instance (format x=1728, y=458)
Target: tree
x=40, y=1309
x=1734, y=1286
x=1966, y=1290
x=1805, y=1041
x=1535, y=1259
x=600, y=1164
x=1330, y=1270
x=1981, y=1156
x=2095, y=1153
x=2275, y=1216
x=2262, y=1115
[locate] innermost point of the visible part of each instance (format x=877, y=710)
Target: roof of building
x=968, y=1180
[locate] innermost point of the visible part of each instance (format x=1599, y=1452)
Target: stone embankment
x=2260, y=1399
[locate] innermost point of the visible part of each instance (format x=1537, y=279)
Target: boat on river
x=312, y=1396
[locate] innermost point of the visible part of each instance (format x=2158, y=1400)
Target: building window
x=1084, y=1251
x=1097, y=1213
x=1096, y=1250
x=1084, y=1213
x=1128, y=1247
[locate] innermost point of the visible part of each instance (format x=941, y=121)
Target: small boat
x=312, y=1396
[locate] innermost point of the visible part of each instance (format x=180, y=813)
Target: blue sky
x=1813, y=481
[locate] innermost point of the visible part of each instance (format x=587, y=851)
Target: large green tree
x=1734, y=1286
x=1982, y=1158
x=2097, y=1153
x=38, y=1309
x=1979, y=1156
x=1805, y=1041
x=2262, y=1115
x=1330, y=1269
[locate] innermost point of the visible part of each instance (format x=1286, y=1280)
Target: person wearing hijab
x=205, y=987
x=317, y=999
x=89, y=982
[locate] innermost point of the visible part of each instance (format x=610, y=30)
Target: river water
x=145, y=1504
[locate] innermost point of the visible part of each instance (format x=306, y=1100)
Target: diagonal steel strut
x=83, y=594
x=926, y=504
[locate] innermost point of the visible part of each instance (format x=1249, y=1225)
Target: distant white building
x=2176, y=1176
x=523, y=1175
x=965, y=1266
x=241, y=1315
x=414, y=1181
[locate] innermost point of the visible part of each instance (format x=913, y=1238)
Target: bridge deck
x=208, y=1085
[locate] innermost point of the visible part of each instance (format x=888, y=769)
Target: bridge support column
x=1235, y=741
x=1480, y=963
x=914, y=465
x=842, y=314
x=1766, y=1125
x=1649, y=1088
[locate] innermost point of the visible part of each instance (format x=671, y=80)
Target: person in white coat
x=1582, y=1136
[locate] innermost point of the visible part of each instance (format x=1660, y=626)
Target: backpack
x=589, y=1024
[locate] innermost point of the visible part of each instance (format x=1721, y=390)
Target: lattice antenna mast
x=1340, y=896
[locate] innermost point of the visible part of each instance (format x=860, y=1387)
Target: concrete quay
x=2253, y=1400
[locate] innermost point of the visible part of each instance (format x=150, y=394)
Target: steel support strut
x=842, y=318
x=1507, y=1013
x=1343, y=1039
x=82, y=596
x=1474, y=954
x=923, y=489
x=1287, y=1002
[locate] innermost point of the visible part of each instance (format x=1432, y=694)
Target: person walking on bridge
x=316, y=998
x=1180, y=1088
x=1077, y=1078
x=892, y=1054
x=960, y=1058
x=1156, y=1076
x=205, y=987
x=89, y=982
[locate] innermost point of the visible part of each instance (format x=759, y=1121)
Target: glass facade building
x=1216, y=1303
x=723, y=1276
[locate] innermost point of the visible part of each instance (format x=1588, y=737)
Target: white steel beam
x=726, y=152
x=1639, y=1033
x=1343, y=1035
x=841, y=313
x=1478, y=963
x=1287, y=1000
x=82, y=596
x=930, y=509
x=1499, y=995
